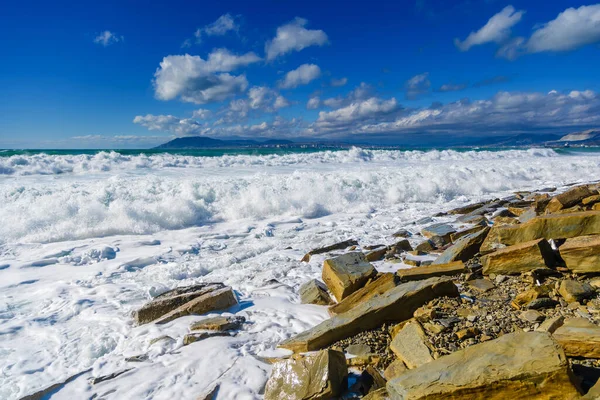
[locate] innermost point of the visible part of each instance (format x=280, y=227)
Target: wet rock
x=579, y=338
x=426, y=246
x=210, y=394
x=315, y=292
x=347, y=273
x=380, y=285
x=466, y=209
x=219, y=324
x=399, y=247
x=582, y=254
x=337, y=246
x=196, y=337
x=376, y=254
x=519, y=258
x=574, y=291
x=410, y=346
x=173, y=299
x=464, y=248
x=397, y=304
x=553, y=226
x=411, y=274
x=315, y=376
x=402, y=233
x=441, y=230
x=216, y=300
x=525, y=365
x=457, y=235
x=571, y=197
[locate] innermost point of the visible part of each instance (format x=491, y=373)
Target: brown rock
x=337, y=246
x=379, y=394
x=481, y=285
x=554, y=226
x=582, y=254
x=410, y=346
x=395, y=305
x=347, y=273
x=464, y=248
x=518, y=365
x=441, y=230
x=377, y=254
x=380, y=285
x=215, y=300
x=218, y=323
x=467, y=333
x=499, y=221
x=531, y=316
x=466, y=209
x=426, y=246
x=424, y=314
x=412, y=274
x=591, y=200
x=574, y=291
x=551, y=324
x=314, y=292
x=579, y=338
x=196, y=337
x=571, y=197
x=316, y=376
x=474, y=229
x=519, y=258
x=396, y=368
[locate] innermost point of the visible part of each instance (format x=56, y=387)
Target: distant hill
x=523, y=139
x=585, y=137
x=201, y=142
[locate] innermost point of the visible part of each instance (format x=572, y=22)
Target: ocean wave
x=105, y=161
x=56, y=208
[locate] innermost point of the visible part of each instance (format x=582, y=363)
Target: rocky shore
x=502, y=300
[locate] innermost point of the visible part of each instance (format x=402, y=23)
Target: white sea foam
x=80, y=250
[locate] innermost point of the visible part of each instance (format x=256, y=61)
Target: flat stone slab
x=347, y=273
x=314, y=292
x=169, y=301
x=336, y=246
x=218, y=324
x=315, y=376
x=395, y=305
x=523, y=257
x=582, y=254
x=215, y=300
x=515, y=366
x=429, y=271
x=443, y=230
x=464, y=248
x=571, y=197
x=410, y=346
x=378, y=286
x=579, y=338
x=553, y=226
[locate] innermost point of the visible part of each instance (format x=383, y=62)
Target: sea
x=87, y=237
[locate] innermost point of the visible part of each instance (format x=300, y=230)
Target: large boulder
x=519, y=258
x=219, y=299
x=553, y=226
x=582, y=254
x=579, y=338
x=429, y=271
x=395, y=305
x=169, y=301
x=314, y=376
x=571, y=197
x=464, y=248
x=410, y=345
x=441, y=232
x=572, y=290
x=376, y=287
x=518, y=365
x=219, y=323
x=347, y=273
x=314, y=292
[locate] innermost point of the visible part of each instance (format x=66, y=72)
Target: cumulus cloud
x=225, y=23
x=360, y=111
x=497, y=29
x=202, y=113
x=261, y=99
x=417, y=86
x=195, y=80
x=107, y=38
x=171, y=124
x=339, y=82
x=313, y=103
x=570, y=30
x=302, y=75
x=293, y=36
x=361, y=92
x=280, y=102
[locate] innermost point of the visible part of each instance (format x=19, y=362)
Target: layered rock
x=554, y=226
x=314, y=292
x=376, y=287
x=410, y=346
x=429, y=271
x=571, y=197
x=219, y=299
x=396, y=304
x=347, y=273
x=519, y=258
x=579, y=338
x=219, y=323
x=315, y=376
x=464, y=248
x=582, y=254
x=337, y=246
x=169, y=301
x=518, y=365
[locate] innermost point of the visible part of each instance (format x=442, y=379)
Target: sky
x=124, y=74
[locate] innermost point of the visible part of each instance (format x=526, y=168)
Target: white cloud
x=359, y=111
x=293, y=36
x=361, y=92
x=313, y=103
x=302, y=75
x=339, y=82
x=107, y=38
x=572, y=28
x=202, y=113
x=195, y=80
x=417, y=85
x=280, y=102
x=225, y=23
x=452, y=87
x=260, y=99
x=497, y=29
x=171, y=124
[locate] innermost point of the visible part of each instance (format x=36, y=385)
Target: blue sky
x=126, y=74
